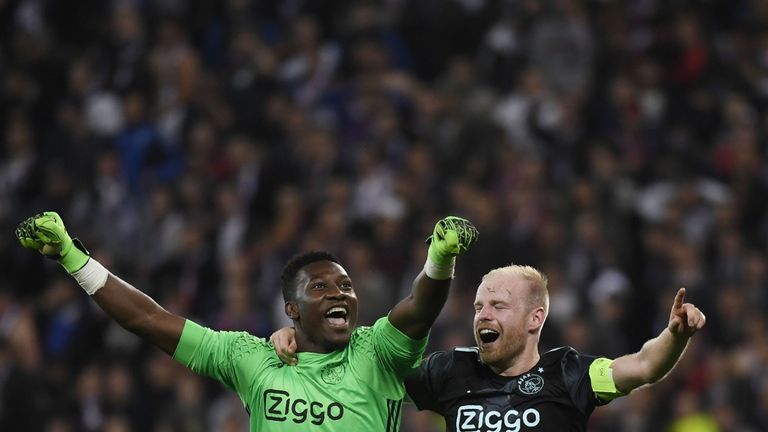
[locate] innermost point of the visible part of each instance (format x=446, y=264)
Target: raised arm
x=659, y=355
x=415, y=314
x=129, y=307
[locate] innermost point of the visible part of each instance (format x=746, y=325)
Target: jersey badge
x=333, y=373
x=530, y=383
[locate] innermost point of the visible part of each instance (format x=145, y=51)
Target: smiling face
x=507, y=319
x=325, y=308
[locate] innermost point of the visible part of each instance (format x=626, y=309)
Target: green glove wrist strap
x=439, y=267
x=438, y=258
x=74, y=258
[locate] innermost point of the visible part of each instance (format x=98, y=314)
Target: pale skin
x=501, y=305
x=659, y=355
x=495, y=307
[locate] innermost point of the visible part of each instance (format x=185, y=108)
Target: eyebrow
x=336, y=279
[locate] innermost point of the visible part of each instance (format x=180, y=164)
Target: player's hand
x=45, y=233
x=284, y=341
x=685, y=319
x=452, y=236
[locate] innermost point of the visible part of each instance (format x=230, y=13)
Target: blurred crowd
x=194, y=146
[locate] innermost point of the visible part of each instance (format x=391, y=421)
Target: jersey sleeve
x=426, y=382
x=221, y=354
x=395, y=350
x=576, y=375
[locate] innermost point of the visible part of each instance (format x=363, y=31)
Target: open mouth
x=337, y=316
x=488, y=335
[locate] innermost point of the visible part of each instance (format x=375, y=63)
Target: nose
x=335, y=292
x=483, y=314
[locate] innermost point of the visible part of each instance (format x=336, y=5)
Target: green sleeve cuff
x=401, y=339
x=191, y=337
x=601, y=375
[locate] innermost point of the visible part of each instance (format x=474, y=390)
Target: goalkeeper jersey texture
x=359, y=388
x=554, y=396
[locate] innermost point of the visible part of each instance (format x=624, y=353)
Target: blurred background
x=194, y=146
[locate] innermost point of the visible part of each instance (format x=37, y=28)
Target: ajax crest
x=530, y=384
x=333, y=373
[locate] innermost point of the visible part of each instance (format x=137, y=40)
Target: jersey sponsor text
x=279, y=406
x=474, y=418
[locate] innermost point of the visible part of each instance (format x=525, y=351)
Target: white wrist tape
x=92, y=276
x=440, y=272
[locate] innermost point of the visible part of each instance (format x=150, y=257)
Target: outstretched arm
x=139, y=314
x=129, y=307
x=415, y=314
x=659, y=355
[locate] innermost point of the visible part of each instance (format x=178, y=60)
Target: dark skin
x=139, y=314
x=414, y=315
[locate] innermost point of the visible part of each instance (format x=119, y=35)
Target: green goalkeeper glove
x=46, y=234
x=452, y=236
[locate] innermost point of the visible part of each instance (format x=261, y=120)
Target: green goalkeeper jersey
x=359, y=388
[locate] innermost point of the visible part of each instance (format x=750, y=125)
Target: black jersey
x=555, y=395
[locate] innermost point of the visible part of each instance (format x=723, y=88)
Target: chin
x=494, y=354
x=487, y=357
x=339, y=341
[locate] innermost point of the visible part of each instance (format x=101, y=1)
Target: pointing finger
x=679, y=297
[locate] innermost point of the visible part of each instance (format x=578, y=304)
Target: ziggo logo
x=473, y=418
x=278, y=406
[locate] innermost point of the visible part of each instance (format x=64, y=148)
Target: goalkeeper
x=347, y=378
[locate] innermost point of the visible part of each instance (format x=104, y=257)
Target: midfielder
x=504, y=384
x=349, y=378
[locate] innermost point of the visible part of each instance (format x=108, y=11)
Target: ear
x=292, y=310
x=536, y=319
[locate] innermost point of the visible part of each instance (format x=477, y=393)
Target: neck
x=305, y=344
x=520, y=363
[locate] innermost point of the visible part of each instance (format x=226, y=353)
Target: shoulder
x=556, y=354
x=575, y=369
x=447, y=363
x=441, y=370
x=242, y=344
x=464, y=356
x=386, y=339
x=568, y=357
x=362, y=331
x=362, y=338
x=573, y=365
x=197, y=340
x=363, y=342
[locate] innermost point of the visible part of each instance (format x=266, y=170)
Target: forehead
x=322, y=269
x=504, y=288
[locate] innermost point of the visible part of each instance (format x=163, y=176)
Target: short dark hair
x=291, y=269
